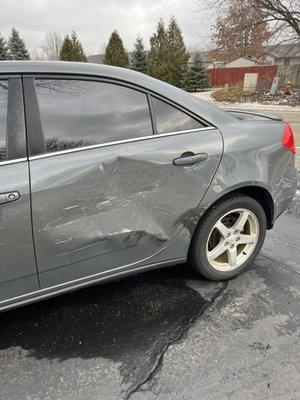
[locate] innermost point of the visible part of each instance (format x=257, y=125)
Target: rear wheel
x=228, y=237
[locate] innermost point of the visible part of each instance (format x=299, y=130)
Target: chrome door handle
x=190, y=158
x=9, y=197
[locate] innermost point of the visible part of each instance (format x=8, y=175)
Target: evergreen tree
x=157, y=56
x=178, y=56
x=66, y=50
x=138, y=60
x=196, y=77
x=16, y=47
x=78, y=53
x=71, y=49
x=168, y=57
x=4, y=55
x=115, y=53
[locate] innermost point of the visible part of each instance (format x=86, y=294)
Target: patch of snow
x=245, y=105
x=205, y=96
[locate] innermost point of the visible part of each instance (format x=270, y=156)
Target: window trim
x=34, y=130
x=152, y=115
x=115, y=143
x=14, y=161
x=151, y=97
x=33, y=118
x=36, y=140
x=120, y=82
x=16, y=146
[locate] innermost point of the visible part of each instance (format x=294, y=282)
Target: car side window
x=3, y=118
x=77, y=113
x=170, y=119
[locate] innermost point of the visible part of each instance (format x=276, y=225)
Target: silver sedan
x=106, y=172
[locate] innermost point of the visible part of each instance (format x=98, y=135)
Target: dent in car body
x=115, y=205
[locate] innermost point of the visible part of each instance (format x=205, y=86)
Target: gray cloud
x=94, y=20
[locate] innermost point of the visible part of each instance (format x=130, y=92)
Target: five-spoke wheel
x=228, y=237
x=232, y=239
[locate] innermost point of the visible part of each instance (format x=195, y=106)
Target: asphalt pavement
x=293, y=118
x=165, y=334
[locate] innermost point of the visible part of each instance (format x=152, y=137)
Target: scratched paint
x=117, y=205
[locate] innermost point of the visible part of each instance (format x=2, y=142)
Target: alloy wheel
x=232, y=239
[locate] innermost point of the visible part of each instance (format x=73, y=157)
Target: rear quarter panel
x=253, y=155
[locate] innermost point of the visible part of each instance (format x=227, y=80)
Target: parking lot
x=165, y=334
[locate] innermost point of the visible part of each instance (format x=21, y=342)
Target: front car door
x=17, y=262
x=106, y=194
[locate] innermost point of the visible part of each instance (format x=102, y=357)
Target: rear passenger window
x=77, y=113
x=170, y=119
x=3, y=118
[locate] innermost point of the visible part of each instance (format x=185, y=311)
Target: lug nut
x=232, y=246
x=237, y=239
x=226, y=244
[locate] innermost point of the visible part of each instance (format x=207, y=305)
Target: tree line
x=242, y=28
x=167, y=58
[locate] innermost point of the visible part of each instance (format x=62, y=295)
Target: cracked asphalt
x=164, y=334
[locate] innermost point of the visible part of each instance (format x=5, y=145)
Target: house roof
x=245, y=57
x=284, y=50
x=276, y=51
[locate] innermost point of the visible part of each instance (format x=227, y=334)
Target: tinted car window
x=3, y=118
x=76, y=113
x=170, y=119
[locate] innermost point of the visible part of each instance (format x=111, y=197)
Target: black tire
x=197, y=254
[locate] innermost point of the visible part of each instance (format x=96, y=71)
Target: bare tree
x=38, y=55
x=284, y=11
x=236, y=33
x=282, y=16
x=51, y=46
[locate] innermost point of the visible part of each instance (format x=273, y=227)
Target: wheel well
x=261, y=195
x=264, y=198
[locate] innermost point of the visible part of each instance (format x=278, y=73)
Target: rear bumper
x=285, y=189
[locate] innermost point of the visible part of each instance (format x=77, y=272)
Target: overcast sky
x=94, y=20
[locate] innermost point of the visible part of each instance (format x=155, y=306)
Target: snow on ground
x=245, y=105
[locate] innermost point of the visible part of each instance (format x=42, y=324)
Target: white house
x=243, y=61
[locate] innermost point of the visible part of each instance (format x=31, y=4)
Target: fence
x=235, y=76
x=290, y=73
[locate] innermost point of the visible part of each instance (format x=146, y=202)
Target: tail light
x=288, y=140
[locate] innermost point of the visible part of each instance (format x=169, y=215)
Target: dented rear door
x=98, y=208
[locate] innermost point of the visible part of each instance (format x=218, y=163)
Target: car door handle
x=9, y=197
x=190, y=158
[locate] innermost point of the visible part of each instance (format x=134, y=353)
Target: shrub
x=229, y=93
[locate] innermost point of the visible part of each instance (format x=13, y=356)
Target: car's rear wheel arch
x=258, y=193
x=263, y=197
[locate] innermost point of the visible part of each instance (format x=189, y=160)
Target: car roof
x=200, y=107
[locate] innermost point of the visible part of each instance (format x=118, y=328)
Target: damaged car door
x=115, y=174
